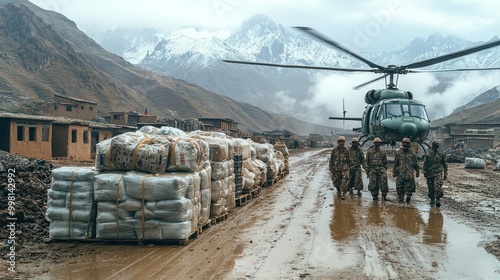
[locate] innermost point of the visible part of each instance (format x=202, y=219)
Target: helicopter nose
x=408, y=129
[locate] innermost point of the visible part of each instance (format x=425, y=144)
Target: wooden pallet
x=218, y=219
x=273, y=181
x=255, y=192
x=243, y=199
x=204, y=226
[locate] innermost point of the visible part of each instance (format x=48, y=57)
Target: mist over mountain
x=195, y=56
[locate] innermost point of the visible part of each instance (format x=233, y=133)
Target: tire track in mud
x=285, y=237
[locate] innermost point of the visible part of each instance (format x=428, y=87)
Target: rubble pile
x=490, y=156
x=32, y=180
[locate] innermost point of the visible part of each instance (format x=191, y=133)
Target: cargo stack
x=70, y=204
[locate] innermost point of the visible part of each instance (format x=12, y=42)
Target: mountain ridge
x=79, y=67
x=261, y=39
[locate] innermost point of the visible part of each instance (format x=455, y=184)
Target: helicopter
x=391, y=114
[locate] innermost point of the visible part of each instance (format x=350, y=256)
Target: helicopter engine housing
x=373, y=96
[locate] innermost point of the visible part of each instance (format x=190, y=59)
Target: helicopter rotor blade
x=371, y=81
x=336, y=45
x=298, y=66
x=452, y=55
x=453, y=70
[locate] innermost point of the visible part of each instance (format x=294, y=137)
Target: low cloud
x=331, y=89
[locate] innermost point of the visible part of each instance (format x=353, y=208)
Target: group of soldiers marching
x=346, y=166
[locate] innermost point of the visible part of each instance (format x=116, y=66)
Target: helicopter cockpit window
x=419, y=112
x=406, y=110
x=393, y=110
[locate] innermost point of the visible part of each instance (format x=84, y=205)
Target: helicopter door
x=365, y=123
x=375, y=120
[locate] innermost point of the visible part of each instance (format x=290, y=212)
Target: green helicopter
x=391, y=114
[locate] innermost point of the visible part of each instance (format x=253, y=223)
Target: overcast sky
x=357, y=24
x=373, y=24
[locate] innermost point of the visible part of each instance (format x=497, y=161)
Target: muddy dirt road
x=298, y=229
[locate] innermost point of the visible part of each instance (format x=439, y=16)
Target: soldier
x=404, y=164
x=339, y=167
x=357, y=161
x=376, y=169
x=434, y=167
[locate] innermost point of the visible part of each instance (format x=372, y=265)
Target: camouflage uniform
x=434, y=167
x=357, y=160
x=404, y=164
x=339, y=168
x=376, y=169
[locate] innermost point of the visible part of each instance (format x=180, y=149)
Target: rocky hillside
x=44, y=53
x=483, y=109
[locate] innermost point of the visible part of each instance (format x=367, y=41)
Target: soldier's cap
x=340, y=138
x=435, y=142
x=355, y=140
x=377, y=140
x=406, y=140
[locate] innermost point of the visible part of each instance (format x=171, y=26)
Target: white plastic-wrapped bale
x=148, y=129
x=164, y=186
x=206, y=194
x=133, y=151
x=186, y=155
x=70, y=203
x=170, y=131
x=280, y=146
x=171, y=204
x=475, y=163
x=115, y=210
x=242, y=147
x=264, y=151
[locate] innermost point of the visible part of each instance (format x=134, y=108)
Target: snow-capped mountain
x=196, y=56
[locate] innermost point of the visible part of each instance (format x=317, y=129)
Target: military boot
x=401, y=199
x=432, y=201
x=359, y=193
x=438, y=203
x=408, y=199
x=384, y=197
x=339, y=195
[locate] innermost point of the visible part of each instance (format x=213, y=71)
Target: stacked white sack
x=222, y=166
x=115, y=210
x=70, y=208
x=133, y=151
x=170, y=204
x=190, y=154
x=281, y=147
x=265, y=153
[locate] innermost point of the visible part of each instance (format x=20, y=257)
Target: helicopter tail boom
x=345, y=119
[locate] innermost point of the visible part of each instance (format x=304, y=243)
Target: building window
x=91, y=108
x=55, y=107
x=116, y=117
x=20, y=133
x=73, y=136
x=32, y=133
x=82, y=107
x=85, y=136
x=69, y=108
x=45, y=133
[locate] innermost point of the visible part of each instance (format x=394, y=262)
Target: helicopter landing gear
x=426, y=148
x=364, y=141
